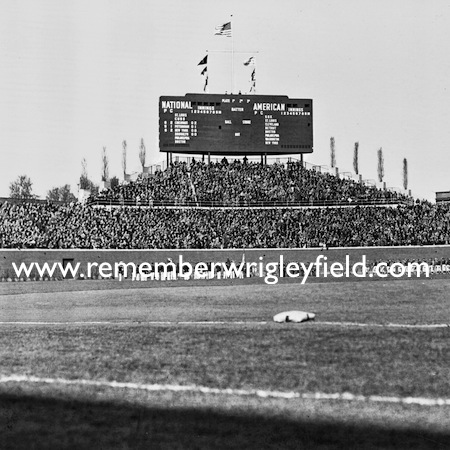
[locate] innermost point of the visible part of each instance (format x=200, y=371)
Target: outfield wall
x=28, y=256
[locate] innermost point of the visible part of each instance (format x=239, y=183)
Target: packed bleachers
x=244, y=183
x=45, y=225
x=249, y=182
x=172, y=185
x=31, y=225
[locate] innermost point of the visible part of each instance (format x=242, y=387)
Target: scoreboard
x=235, y=124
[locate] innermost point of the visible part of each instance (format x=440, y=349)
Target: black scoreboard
x=235, y=124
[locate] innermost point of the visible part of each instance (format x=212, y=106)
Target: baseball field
x=201, y=364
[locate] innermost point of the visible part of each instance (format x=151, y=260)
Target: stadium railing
x=246, y=204
x=20, y=201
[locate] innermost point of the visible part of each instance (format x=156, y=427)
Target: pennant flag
x=253, y=81
x=224, y=30
x=206, y=84
x=204, y=71
x=250, y=61
x=203, y=61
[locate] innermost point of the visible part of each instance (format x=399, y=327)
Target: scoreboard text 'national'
x=235, y=124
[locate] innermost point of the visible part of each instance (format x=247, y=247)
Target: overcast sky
x=78, y=76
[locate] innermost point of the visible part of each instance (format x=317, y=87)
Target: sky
x=79, y=76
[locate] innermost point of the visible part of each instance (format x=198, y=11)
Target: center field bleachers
x=244, y=183
x=236, y=221
x=77, y=226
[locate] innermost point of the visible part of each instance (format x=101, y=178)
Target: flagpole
x=255, y=76
x=232, y=53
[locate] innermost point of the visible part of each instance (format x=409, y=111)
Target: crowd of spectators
x=243, y=182
x=33, y=225
x=169, y=185
x=253, y=182
x=76, y=225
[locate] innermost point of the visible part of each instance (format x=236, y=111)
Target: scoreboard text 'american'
x=235, y=124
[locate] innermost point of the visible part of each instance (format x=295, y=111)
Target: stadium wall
x=27, y=256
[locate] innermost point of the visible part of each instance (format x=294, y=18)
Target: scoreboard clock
x=235, y=124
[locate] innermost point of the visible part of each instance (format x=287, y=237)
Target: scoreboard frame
x=235, y=124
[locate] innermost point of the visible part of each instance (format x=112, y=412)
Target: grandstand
x=229, y=205
x=244, y=183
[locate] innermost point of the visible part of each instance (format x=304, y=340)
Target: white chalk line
x=231, y=322
x=392, y=325
x=346, y=396
x=137, y=322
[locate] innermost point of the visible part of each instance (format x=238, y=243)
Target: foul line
x=231, y=322
x=392, y=325
x=422, y=401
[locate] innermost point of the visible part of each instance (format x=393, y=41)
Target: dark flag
x=203, y=61
x=250, y=61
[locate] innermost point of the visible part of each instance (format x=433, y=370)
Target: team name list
x=182, y=128
x=270, y=130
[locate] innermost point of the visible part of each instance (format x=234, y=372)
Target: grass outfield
x=129, y=343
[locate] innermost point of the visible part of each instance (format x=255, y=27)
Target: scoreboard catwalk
x=235, y=124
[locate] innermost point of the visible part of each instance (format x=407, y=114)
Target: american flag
x=224, y=30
